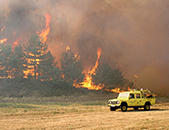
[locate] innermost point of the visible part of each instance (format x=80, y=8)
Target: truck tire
x=124, y=107
x=147, y=106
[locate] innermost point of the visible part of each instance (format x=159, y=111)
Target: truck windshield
x=123, y=95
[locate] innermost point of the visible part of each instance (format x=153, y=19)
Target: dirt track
x=88, y=118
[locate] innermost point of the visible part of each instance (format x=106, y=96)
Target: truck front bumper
x=116, y=106
x=113, y=106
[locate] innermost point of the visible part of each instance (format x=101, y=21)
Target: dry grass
x=83, y=115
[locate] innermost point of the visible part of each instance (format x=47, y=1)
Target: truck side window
x=131, y=96
x=137, y=95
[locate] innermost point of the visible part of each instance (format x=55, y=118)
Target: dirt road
x=87, y=118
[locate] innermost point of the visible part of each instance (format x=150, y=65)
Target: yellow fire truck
x=133, y=98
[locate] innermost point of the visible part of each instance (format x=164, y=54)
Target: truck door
x=131, y=100
x=138, y=99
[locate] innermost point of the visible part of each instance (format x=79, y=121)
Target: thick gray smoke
x=132, y=33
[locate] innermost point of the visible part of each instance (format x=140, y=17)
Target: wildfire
x=87, y=83
x=46, y=30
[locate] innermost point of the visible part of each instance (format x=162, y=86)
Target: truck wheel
x=124, y=107
x=147, y=107
x=135, y=108
x=112, y=109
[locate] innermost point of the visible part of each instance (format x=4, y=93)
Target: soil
x=87, y=117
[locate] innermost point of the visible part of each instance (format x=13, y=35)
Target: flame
x=2, y=29
x=118, y=90
x=135, y=76
x=67, y=48
x=87, y=83
x=30, y=70
x=97, y=62
x=16, y=42
x=46, y=30
x=3, y=40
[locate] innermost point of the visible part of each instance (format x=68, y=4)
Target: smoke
x=133, y=34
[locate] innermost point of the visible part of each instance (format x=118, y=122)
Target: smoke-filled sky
x=133, y=34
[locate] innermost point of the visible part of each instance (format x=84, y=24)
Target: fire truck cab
x=133, y=98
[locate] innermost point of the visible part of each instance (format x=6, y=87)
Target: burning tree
x=29, y=60
x=39, y=61
x=34, y=51
x=108, y=78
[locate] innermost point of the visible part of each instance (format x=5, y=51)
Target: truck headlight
x=118, y=102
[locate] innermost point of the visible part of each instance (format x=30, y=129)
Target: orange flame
x=118, y=90
x=67, y=48
x=88, y=79
x=135, y=76
x=2, y=29
x=97, y=62
x=16, y=42
x=46, y=30
x=87, y=83
x=3, y=40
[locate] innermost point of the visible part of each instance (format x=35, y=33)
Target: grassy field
x=82, y=112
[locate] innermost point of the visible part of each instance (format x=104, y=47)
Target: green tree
x=34, y=50
x=19, y=62
x=47, y=68
x=6, y=54
x=108, y=77
x=71, y=67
